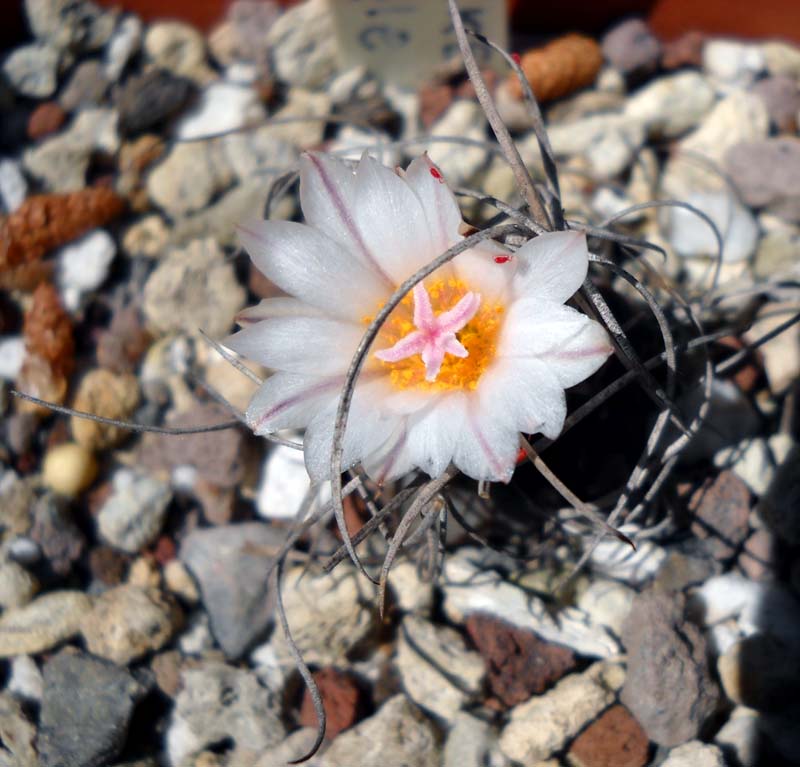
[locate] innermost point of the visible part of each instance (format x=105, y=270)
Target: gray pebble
x=632, y=48
x=32, y=70
x=86, y=86
x=132, y=516
x=86, y=707
x=219, y=702
x=668, y=687
x=230, y=563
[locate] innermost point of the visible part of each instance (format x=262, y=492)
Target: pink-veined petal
x=310, y=345
x=434, y=432
x=570, y=343
x=551, y=266
x=486, y=448
x=391, y=220
x=328, y=201
x=290, y=401
x=523, y=395
x=280, y=306
x=438, y=202
x=310, y=266
x=392, y=459
x=368, y=428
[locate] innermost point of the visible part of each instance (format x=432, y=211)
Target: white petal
x=438, y=202
x=312, y=345
x=393, y=459
x=524, y=395
x=310, y=266
x=551, y=266
x=433, y=433
x=479, y=270
x=368, y=429
x=290, y=401
x=390, y=217
x=281, y=306
x=328, y=199
x=486, y=448
x=571, y=344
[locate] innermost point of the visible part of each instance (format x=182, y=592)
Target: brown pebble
x=167, y=669
x=108, y=565
x=519, y=663
x=47, y=118
x=684, y=51
x=342, y=698
x=614, y=740
x=758, y=556
x=721, y=511
x=434, y=98
x=112, y=396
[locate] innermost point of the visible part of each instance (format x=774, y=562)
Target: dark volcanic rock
x=86, y=707
x=150, y=99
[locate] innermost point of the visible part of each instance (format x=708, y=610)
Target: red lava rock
x=519, y=663
x=757, y=557
x=720, y=511
x=342, y=698
x=684, y=51
x=613, y=740
x=108, y=565
x=47, y=118
x=165, y=550
x=434, y=98
x=750, y=371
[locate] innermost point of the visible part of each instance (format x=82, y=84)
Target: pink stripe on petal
x=284, y=404
x=346, y=217
x=391, y=458
x=491, y=458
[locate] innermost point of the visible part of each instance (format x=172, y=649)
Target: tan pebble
x=128, y=621
x=144, y=573
x=178, y=580
x=103, y=393
x=68, y=469
x=17, y=585
x=43, y=623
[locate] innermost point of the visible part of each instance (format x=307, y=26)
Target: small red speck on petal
x=521, y=456
x=516, y=58
x=502, y=259
x=438, y=176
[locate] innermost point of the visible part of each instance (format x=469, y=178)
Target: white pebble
x=13, y=187
x=223, y=107
x=12, y=354
x=284, y=484
x=83, y=266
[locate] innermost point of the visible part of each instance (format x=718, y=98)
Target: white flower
x=479, y=352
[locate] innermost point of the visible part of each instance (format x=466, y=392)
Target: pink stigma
x=435, y=335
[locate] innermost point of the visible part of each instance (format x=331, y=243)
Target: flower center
x=441, y=337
